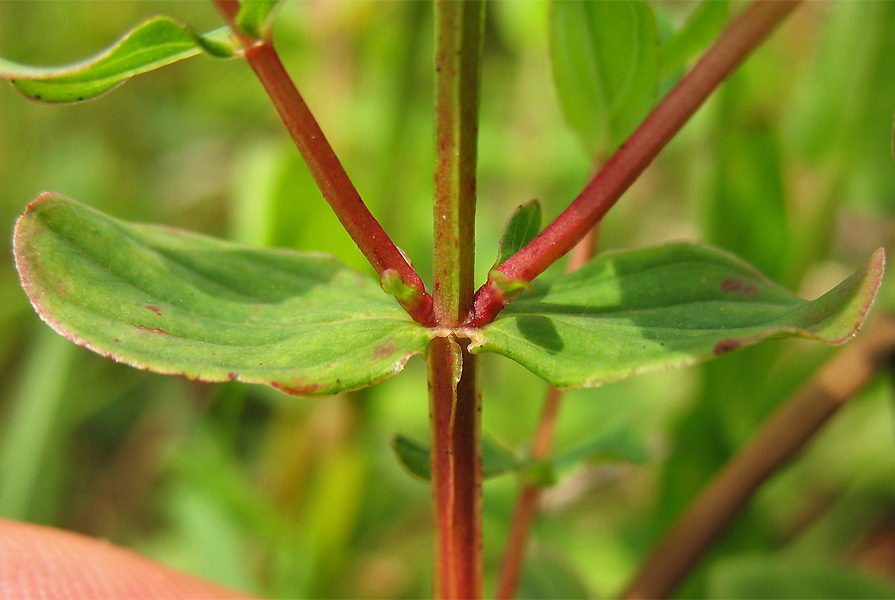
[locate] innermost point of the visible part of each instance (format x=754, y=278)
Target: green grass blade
x=35, y=406
x=178, y=303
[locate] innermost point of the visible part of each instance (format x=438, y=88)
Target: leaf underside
x=154, y=44
x=655, y=308
x=179, y=303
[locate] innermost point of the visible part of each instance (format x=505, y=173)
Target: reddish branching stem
x=731, y=48
x=324, y=165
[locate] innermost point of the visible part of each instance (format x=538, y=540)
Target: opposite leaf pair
x=179, y=303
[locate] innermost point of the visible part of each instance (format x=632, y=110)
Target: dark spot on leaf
x=731, y=285
x=383, y=350
x=727, y=345
x=154, y=309
x=152, y=329
x=297, y=390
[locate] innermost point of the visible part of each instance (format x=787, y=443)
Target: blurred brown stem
x=781, y=437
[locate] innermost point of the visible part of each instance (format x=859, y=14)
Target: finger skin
x=42, y=562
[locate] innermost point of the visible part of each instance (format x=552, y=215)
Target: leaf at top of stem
x=522, y=227
x=605, y=65
x=179, y=303
x=655, y=308
x=256, y=17
x=153, y=44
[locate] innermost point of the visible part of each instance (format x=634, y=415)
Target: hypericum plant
x=178, y=303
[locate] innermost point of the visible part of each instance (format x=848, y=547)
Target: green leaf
x=701, y=28
x=744, y=207
x=256, y=16
x=671, y=305
x=549, y=573
x=617, y=444
x=605, y=66
x=152, y=45
x=179, y=303
x=521, y=228
x=772, y=577
x=414, y=457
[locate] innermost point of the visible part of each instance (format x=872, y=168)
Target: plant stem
x=454, y=379
x=741, y=37
x=541, y=447
x=457, y=64
x=324, y=165
x=781, y=437
x=455, y=406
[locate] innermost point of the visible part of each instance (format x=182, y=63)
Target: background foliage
x=789, y=165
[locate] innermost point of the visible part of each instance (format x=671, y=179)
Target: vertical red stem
x=454, y=396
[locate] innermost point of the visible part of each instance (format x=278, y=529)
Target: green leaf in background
x=522, y=227
x=701, y=28
x=549, y=574
x=414, y=457
x=605, y=65
x=655, y=308
x=619, y=444
x=744, y=207
x=756, y=577
x=178, y=303
x=152, y=45
x=256, y=16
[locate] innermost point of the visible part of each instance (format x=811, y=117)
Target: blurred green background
x=788, y=165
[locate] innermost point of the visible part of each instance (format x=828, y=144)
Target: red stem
x=729, y=50
x=455, y=402
x=324, y=165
